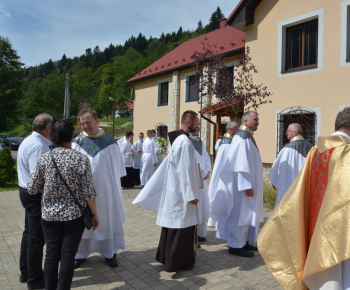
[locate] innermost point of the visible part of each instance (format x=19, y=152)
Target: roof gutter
x=188, y=65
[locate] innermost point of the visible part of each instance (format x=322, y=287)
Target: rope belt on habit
x=195, y=243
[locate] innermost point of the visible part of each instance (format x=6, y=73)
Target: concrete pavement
x=138, y=269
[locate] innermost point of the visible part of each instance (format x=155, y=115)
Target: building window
x=345, y=33
x=163, y=92
x=307, y=118
x=192, y=94
x=226, y=73
x=162, y=131
x=302, y=41
x=300, y=44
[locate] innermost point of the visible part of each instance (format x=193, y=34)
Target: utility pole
x=113, y=115
x=66, y=99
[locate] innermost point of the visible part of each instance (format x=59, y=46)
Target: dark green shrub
x=7, y=172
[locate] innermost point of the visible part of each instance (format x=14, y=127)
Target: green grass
x=118, y=130
x=270, y=196
x=17, y=129
x=11, y=185
x=119, y=121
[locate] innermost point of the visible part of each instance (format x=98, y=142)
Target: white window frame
x=342, y=107
x=317, y=111
x=186, y=76
x=282, y=42
x=228, y=64
x=345, y=34
x=158, y=92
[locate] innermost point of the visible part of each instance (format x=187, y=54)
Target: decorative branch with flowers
x=234, y=89
x=162, y=142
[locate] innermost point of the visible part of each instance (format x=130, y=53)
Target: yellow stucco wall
x=146, y=112
x=326, y=89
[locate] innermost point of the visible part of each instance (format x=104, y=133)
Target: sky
x=44, y=29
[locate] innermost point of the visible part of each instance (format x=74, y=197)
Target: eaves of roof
x=182, y=67
x=228, y=39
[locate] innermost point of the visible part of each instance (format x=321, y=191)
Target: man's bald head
x=41, y=121
x=293, y=130
x=295, y=127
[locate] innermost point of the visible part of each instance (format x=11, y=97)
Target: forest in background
x=99, y=74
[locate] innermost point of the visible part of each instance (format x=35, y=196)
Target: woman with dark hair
x=62, y=218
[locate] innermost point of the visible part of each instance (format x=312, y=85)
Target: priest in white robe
x=239, y=195
x=204, y=161
x=289, y=162
x=127, y=154
x=107, y=168
x=177, y=199
x=231, y=130
x=157, y=149
x=149, y=159
x=137, y=147
x=218, y=142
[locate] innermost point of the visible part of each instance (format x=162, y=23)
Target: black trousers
x=62, y=242
x=128, y=180
x=136, y=175
x=33, y=242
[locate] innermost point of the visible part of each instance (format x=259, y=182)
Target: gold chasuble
x=309, y=231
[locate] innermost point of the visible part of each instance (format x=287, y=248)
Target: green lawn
x=17, y=129
x=119, y=121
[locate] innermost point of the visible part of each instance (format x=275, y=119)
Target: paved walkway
x=138, y=269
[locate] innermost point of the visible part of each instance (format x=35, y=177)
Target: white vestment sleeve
x=187, y=174
x=243, y=181
x=149, y=196
x=153, y=153
x=123, y=150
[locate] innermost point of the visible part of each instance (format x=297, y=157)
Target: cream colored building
x=301, y=49
x=319, y=85
x=162, y=91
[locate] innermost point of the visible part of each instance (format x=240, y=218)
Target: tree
x=199, y=26
x=179, y=34
x=63, y=61
x=47, y=95
x=49, y=67
x=234, y=89
x=214, y=22
x=11, y=83
x=102, y=105
x=7, y=172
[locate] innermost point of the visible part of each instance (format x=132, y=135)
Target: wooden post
x=217, y=130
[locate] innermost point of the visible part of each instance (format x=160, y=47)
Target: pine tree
x=199, y=26
x=214, y=22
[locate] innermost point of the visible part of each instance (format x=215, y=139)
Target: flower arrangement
x=162, y=142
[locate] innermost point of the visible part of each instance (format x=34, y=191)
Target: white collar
x=341, y=133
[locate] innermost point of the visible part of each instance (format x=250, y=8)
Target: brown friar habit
x=175, y=248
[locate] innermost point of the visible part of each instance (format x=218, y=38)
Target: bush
x=270, y=195
x=7, y=172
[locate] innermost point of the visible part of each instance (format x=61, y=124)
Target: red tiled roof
x=128, y=106
x=228, y=39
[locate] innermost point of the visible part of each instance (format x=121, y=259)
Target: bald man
x=289, y=162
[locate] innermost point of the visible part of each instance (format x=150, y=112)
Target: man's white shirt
x=28, y=155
